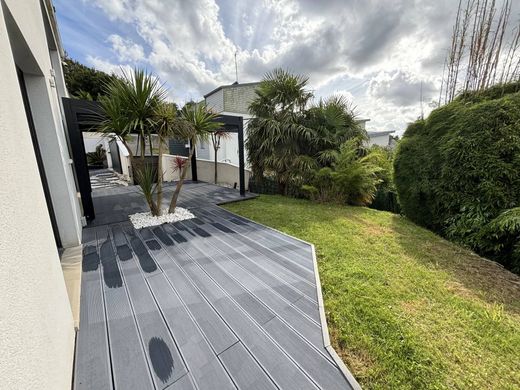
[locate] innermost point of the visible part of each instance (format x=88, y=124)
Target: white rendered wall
x=36, y=325
x=381, y=140
x=228, y=174
x=45, y=86
x=228, y=151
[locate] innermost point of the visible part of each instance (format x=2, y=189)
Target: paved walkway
x=105, y=178
x=216, y=302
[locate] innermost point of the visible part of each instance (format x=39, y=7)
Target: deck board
x=160, y=349
x=246, y=374
x=129, y=366
x=92, y=369
x=215, y=302
x=243, y=282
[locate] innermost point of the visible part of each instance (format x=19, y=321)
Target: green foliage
x=98, y=157
x=287, y=138
x=460, y=168
x=495, y=92
x=351, y=179
x=356, y=178
x=84, y=82
x=500, y=238
x=386, y=194
x=138, y=96
x=146, y=175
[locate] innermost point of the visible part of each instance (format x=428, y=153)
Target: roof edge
x=230, y=86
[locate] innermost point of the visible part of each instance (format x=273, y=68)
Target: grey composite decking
x=216, y=302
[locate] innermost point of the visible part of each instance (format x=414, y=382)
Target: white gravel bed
x=142, y=220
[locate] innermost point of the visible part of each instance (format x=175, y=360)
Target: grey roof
x=235, y=84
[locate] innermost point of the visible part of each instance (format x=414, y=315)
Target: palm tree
x=277, y=132
x=138, y=95
x=216, y=138
x=199, y=124
x=130, y=107
x=334, y=122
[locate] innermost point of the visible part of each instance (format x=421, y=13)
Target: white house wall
x=381, y=140
x=36, y=322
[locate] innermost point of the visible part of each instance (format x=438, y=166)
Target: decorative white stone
x=142, y=220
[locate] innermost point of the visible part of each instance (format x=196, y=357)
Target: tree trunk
x=173, y=203
x=216, y=165
x=282, y=188
x=150, y=142
x=156, y=211
x=160, y=178
x=142, y=146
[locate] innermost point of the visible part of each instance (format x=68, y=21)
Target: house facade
x=40, y=213
x=231, y=100
x=381, y=138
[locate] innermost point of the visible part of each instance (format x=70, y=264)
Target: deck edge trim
x=323, y=319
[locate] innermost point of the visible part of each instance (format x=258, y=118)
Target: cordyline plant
x=135, y=104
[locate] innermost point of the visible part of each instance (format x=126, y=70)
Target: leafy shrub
x=147, y=178
x=386, y=200
x=386, y=194
x=356, y=178
x=352, y=179
x=98, y=157
x=501, y=239
x=460, y=168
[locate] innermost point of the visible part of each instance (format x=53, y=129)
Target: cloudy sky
x=376, y=53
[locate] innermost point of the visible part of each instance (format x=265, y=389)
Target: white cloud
x=108, y=67
x=376, y=52
x=125, y=49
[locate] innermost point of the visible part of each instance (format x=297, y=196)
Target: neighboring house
x=231, y=100
x=40, y=212
x=362, y=123
x=381, y=138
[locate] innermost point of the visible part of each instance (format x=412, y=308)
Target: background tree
x=276, y=133
x=84, y=82
x=334, y=123
x=485, y=49
x=288, y=138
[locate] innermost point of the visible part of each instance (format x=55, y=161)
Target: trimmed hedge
x=459, y=169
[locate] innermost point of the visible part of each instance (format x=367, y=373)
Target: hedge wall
x=459, y=169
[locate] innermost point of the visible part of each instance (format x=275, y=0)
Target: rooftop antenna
x=236, y=68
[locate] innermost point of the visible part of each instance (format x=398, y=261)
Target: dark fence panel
x=116, y=158
x=178, y=147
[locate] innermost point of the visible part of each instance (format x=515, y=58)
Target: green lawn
x=406, y=309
